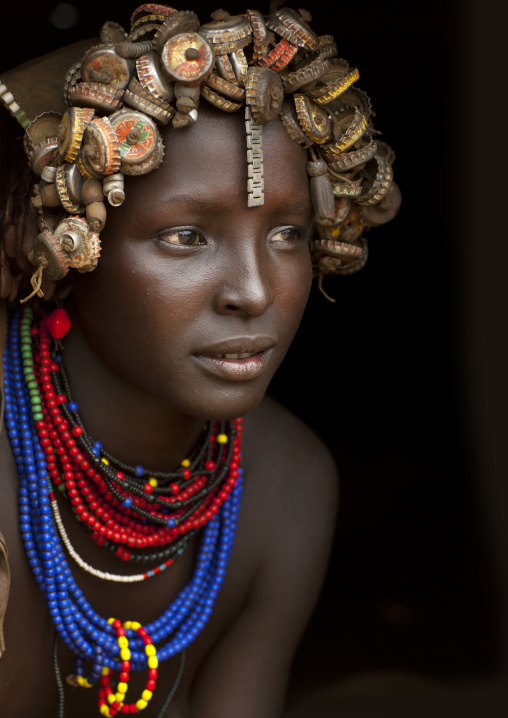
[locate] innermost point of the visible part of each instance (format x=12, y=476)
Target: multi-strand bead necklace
x=145, y=517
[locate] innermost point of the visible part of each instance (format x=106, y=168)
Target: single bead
x=91, y=191
x=58, y=323
x=96, y=215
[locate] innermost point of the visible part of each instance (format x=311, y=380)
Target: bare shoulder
x=289, y=460
x=291, y=494
x=280, y=555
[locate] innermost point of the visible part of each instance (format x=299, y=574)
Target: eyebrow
x=298, y=206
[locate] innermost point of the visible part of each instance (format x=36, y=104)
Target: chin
x=223, y=403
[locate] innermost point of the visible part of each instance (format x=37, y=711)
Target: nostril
x=231, y=307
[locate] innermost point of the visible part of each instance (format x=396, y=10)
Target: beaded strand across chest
x=144, y=517
x=126, y=508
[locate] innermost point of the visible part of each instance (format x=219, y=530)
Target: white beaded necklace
x=134, y=578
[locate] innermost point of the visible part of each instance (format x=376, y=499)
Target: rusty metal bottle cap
x=85, y=168
x=349, y=160
x=101, y=64
x=104, y=98
x=43, y=154
x=175, y=24
x=327, y=47
x=350, y=126
x=112, y=32
x=280, y=56
x=68, y=182
x=151, y=9
x=95, y=253
x=379, y=181
x=264, y=93
x=260, y=34
x=227, y=33
x=338, y=69
x=148, y=165
x=153, y=78
x=41, y=129
x=146, y=33
x=71, y=130
x=332, y=91
x=225, y=68
x=72, y=78
x=290, y=121
x=101, y=147
x=153, y=18
x=218, y=84
x=223, y=103
x=240, y=66
x=188, y=58
x=76, y=241
x=313, y=119
x=355, y=97
x=304, y=75
x=385, y=210
x=137, y=135
x=48, y=253
x=291, y=25
x=142, y=99
x=351, y=189
x=258, y=25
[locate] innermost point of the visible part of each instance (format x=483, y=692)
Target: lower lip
x=234, y=369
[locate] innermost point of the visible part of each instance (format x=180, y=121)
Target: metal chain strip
x=256, y=182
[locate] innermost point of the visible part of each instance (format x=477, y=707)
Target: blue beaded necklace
x=90, y=636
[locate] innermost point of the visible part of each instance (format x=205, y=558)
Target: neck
x=135, y=427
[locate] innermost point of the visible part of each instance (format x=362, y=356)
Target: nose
x=246, y=286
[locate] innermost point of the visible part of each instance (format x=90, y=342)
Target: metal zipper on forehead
x=255, y=182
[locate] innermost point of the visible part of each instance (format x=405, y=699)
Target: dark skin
x=189, y=273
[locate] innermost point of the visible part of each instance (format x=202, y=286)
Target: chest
x=27, y=670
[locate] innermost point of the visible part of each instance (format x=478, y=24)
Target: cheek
x=293, y=291
x=132, y=304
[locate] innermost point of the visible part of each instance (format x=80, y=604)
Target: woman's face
x=197, y=296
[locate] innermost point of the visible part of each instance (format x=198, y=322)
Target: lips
x=237, y=356
x=237, y=359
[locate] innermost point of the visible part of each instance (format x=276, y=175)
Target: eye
x=183, y=237
x=287, y=234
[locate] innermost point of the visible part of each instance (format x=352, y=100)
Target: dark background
x=386, y=375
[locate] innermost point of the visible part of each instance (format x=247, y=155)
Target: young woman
x=126, y=417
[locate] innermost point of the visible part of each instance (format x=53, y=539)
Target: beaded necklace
x=33, y=416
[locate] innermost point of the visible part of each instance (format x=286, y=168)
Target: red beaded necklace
x=144, y=517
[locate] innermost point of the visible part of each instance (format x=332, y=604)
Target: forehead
x=208, y=162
